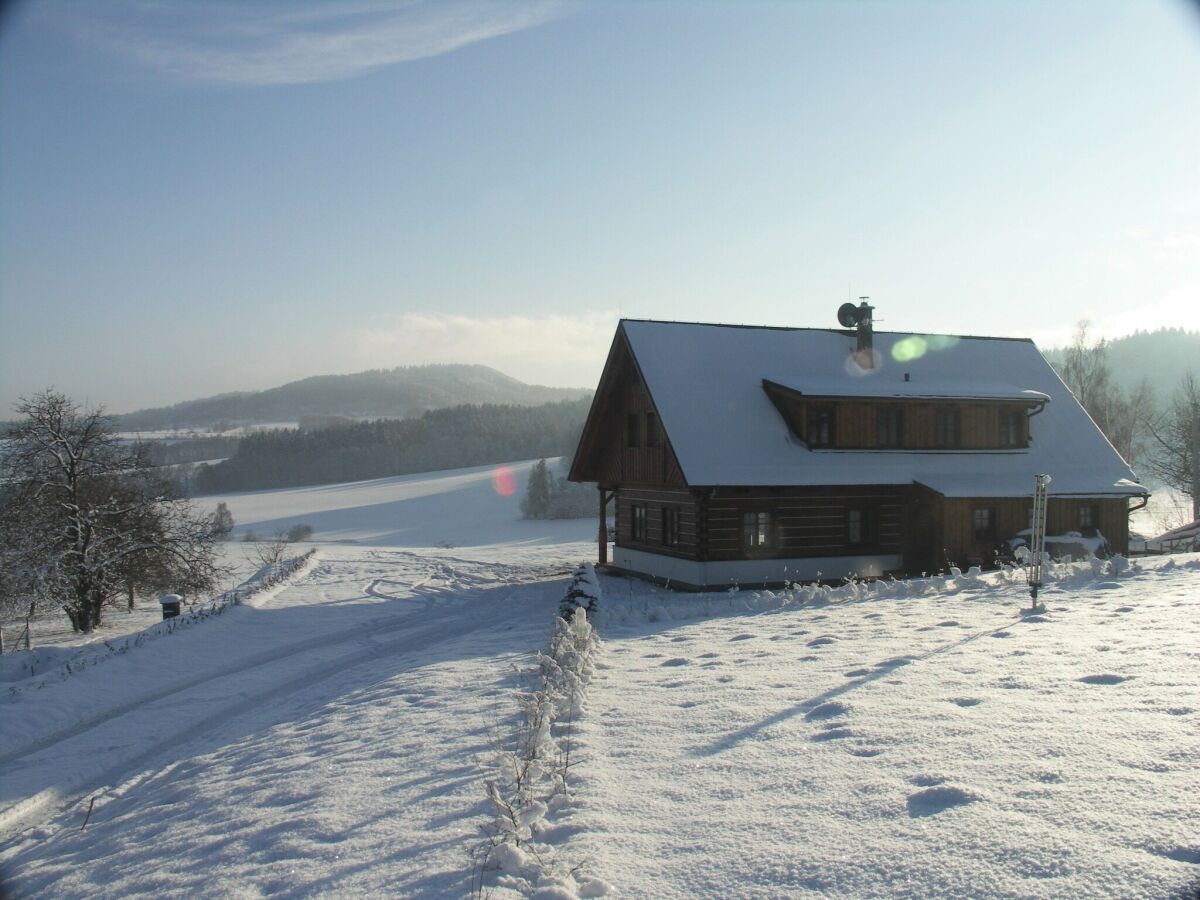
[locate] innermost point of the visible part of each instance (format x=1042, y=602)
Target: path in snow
x=329, y=741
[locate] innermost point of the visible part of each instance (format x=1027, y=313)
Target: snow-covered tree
x=223, y=520
x=85, y=518
x=536, y=504
x=1119, y=414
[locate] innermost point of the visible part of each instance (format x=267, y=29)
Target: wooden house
x=750, y=455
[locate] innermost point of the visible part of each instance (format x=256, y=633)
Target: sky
x=198, y=197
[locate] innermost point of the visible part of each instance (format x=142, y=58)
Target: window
x=1089, y=519
x=983, y=520
x=651, y=430
x=756, y=529
x=632, y=423
x=670, y=534
x=1012, y=431
x=889, y=426
x=948, y=427
x=820, y=426
x=862, y=526
x=639, y=522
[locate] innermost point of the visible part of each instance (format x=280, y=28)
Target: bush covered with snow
x=583, y=593
x=531, y=781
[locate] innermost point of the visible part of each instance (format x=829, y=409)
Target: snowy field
x=333, y=737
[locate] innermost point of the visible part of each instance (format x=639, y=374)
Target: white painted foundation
x=747, y=572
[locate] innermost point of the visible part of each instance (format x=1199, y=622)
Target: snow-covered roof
x=707, y=384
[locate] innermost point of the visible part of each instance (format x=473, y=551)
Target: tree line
x=456, y=437
x=1159, y=436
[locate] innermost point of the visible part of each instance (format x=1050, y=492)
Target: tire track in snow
x=57, y=798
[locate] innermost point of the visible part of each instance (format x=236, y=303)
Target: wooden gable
x=623, y=440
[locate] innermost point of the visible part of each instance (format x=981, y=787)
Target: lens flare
x=910, y=348
x=503, y=482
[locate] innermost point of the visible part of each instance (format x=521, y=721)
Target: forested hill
x=381, y=393
x=1160, y=357
x=440, y=439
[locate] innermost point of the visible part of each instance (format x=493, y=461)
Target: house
x=748, y=455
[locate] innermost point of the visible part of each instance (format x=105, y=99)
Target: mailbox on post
x=170, y=605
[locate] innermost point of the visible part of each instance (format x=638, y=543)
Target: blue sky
x=201, y=197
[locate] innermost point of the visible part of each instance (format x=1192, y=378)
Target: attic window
x=1012, y=431
x=632, y=428
x=651, y=430
x=821, y=422
x=889, y=426
x=948, y=427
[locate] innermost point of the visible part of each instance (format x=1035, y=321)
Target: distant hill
x=398, y=393
x=1160, y=357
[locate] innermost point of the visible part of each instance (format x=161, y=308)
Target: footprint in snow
x=677, y=661
x=965, y=701
x=867, y=752
x=679, y=640
x=1124, y=609
x=858, y=673
x=725, y=679
x=741, y=637
x=830, y=710
x=709, y=655
x=1105, y=679
x=1180, y=711
x=926, y=780
x=934, y=800
x=833, y=734
x=821, y=641
x=652, y=656
x=949, y=623
x=1178, y=853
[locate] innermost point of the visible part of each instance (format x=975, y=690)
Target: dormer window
x=1012, y=428
x=889, y=426
x=948, y=427
x=821, y=425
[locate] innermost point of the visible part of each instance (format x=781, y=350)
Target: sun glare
x=503, y=482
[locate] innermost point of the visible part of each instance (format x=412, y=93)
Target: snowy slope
x=455, y=508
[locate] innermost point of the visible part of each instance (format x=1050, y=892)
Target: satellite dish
x=848, y=315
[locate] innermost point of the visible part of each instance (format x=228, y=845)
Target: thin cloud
x=308, y=43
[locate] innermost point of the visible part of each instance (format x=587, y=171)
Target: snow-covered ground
x=456, y=508
x=333, y=737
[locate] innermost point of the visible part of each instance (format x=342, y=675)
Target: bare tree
x=85, y=518
x=1120, y=415
x=1176, y=434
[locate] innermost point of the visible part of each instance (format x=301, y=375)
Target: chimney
x=866, y=348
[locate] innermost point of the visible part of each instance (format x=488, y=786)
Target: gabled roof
x=707, y=385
